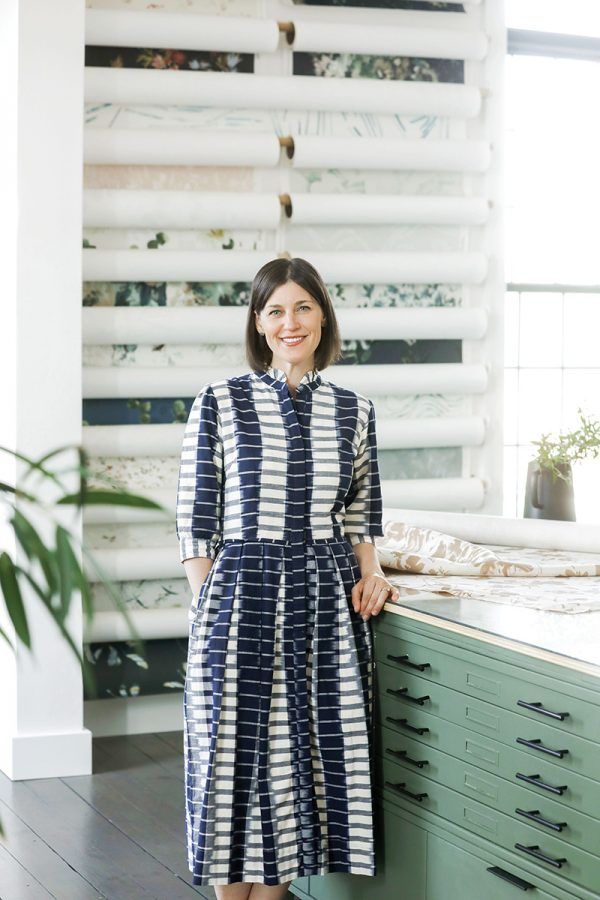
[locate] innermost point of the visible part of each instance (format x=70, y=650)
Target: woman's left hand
x=371, y=593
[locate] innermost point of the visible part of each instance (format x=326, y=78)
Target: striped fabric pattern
x=278, y=699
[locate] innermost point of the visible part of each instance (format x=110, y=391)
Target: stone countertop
x=571, y=640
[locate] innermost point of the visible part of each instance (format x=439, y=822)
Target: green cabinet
x=455, y=872
x=400, y=860
x=487, y=773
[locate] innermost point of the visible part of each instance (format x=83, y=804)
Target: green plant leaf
x=22, y=495
x=13, y=599
x=67, y=575
x=4, y=635
x=76, y=574
x=33, y=465
x=111, y=498
x=34, y=548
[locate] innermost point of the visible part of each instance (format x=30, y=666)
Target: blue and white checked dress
x=278, y=698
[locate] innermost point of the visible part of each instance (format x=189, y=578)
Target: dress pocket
x=198, y=599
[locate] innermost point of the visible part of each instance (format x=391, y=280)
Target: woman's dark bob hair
x=271, y=276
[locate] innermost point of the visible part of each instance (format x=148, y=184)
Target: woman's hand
x=371, y=593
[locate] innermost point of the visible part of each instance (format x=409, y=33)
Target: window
x=552, y=253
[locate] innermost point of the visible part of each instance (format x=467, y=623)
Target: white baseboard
x=24, y=756
x=134, y=715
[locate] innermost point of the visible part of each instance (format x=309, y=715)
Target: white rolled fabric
x=416, y=267
x=183, y=31
x=343, y=268
x=434, y=493
x=548, y=535
x=393, y=434
x=239, y=90
x=411, y=378
x=148, y=624
x=102, y=514
x=179, y=147
x=219, y=324
x=385, y=209
x=104, y=208
x=172, y=265
x=427, y=493
x=136, y=563
x=132, y=440
x=338, y=37
x=396, y=154
x=432, y=431
x=426, y=378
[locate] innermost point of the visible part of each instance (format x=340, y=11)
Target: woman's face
x=291, y=321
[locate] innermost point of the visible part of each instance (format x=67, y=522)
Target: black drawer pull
x=405, y=661
x=537, y=707
x=537, y=745
x=405, y=724
x=403, y=755
x=512, y=879
x=534, y=815
x=401, y=788
x=534, y=850
x=535, y=779
x=403, y=692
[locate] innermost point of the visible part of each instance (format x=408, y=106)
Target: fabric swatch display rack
x=378, y=181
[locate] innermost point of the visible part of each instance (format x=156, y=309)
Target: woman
x=279, y=500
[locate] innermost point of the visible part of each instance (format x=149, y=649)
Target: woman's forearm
x=368, y=560
x=196, y=569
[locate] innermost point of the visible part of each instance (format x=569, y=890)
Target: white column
x=41, y=70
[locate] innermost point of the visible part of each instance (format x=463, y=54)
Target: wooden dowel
x=288, y=29
x=286, y=202
x=288, y=143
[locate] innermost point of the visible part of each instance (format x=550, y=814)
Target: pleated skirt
x=278, y=707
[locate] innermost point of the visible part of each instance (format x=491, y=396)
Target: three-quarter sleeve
x=199, y=507
x=364, y=507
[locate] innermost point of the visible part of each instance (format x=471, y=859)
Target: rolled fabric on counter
x=396, y=154
x=502, y=530
x=239, y=90
x=178, y=147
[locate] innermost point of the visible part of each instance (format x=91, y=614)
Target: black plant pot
x=547, y=497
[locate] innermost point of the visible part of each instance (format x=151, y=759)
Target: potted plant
x=549, y=488
x=53, y=572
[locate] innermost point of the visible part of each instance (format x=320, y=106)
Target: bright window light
x=580, y=17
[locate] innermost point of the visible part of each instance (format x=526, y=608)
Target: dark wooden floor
x=117, y=834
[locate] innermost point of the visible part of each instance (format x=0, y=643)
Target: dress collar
x=277, y=377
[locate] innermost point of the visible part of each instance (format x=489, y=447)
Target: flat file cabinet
x=487, y=773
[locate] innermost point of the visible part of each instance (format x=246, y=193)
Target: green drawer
x=499, y=683
x=570, y=863
x=486, y=753
x=581, y=756
x=400, y=861
x=455, y=872
x=571, y=826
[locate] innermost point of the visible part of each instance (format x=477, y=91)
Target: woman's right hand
x=197, y=569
